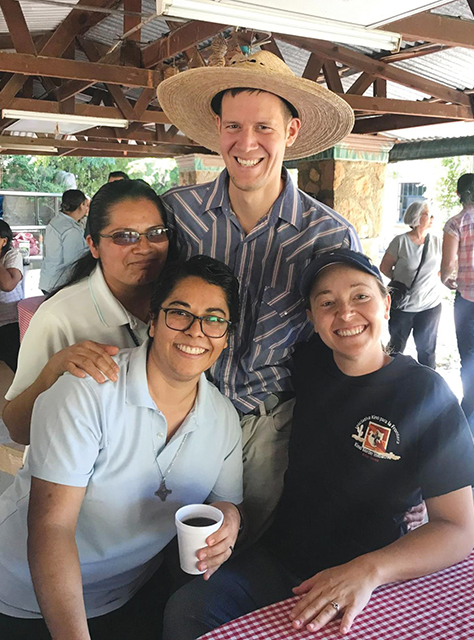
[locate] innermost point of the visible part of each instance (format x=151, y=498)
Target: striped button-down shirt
x=268, y=262
x=462, y=228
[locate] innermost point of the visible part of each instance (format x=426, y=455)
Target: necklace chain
x=163, y=492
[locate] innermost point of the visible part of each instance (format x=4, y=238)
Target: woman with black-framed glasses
x=109, y=468
x=104, y=305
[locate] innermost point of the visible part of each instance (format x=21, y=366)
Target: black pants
x=141, y=618
x=10, y=344
x=425, y=332
x=464, y=320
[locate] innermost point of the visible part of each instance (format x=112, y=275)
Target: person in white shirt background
x=11, y=291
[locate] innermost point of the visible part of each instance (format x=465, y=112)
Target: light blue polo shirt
x=63, y=244
x=111, y=438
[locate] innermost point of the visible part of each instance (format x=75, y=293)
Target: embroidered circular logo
x=373, y=435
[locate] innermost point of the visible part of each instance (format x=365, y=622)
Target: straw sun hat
x=186, y=100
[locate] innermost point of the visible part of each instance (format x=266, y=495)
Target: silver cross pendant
x=163, y=492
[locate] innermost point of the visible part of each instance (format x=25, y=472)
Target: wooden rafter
x=313, y=67
x=331, y=75
x=407, y=107
x=16, y=23
x=129, y=22
x=48, y=106
x=77, y=70
x=179, y=40
x=435, y=28
x=378, y=68
x=76, y=23
x=391, y=122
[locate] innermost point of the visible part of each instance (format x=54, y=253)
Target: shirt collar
x=137, y=393
x=110, y=311
x=287, y=206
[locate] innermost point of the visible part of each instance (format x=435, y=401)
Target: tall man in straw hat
x=257, y=113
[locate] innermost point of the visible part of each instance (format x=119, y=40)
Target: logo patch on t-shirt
x=372, y=438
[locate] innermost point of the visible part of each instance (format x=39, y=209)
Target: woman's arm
x=448, y=260
x=53, y=558
x=447, y=538
x=388, y=265
x=84, y=358
x=9, y=278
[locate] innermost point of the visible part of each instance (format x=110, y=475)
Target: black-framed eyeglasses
x=126, y=237
x=212, y=326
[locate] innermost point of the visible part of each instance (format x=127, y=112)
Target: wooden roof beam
x=16, y=23
x=29, y=65
x=76, y=22
x=188, y=35
x=391, y=122
x=378, y=68
x=435, y=28
x=407, y=107
x=48, y=106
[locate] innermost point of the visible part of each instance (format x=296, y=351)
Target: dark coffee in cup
x=199, y=522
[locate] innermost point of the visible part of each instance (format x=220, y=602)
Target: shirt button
x=160, y=435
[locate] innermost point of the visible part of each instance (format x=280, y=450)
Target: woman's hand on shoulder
x=344, y=590
x=221, y=543
x=84, y=358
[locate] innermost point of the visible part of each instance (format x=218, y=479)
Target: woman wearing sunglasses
x=109, y=468
x=103, y=307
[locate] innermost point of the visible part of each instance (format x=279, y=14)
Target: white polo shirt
x=111, y=438
x=87, y=310
x=9, y=299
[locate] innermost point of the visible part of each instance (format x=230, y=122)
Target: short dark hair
x=465, y=188
x=121, y=175
x=72, y=200
x=208, y=269
x=289, y=110
x=6, y=232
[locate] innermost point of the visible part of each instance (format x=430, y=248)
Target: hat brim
x=186, y=99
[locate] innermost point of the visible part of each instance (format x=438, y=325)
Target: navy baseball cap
x=344, y=256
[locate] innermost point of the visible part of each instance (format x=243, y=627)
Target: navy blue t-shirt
x=362, y=451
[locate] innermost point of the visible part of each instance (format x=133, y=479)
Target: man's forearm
x=7, y=282
x=56, y=573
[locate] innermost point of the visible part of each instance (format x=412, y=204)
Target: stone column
x=350, y=178
x=197, y=168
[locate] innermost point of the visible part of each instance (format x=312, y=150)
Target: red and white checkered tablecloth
x=435, y=607
x=26, y=310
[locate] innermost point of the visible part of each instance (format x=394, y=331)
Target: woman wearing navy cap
x=372, y=435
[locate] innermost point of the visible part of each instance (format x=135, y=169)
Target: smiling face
x=137, y=264
x=348, y=311
x=184, y=355
x=254, y=134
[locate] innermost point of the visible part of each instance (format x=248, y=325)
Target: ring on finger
x=335, y=605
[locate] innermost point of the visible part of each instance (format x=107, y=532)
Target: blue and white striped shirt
x=268, y=262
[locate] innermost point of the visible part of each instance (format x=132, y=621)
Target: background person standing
x=11, y=291
x=422, y=312
x=64, y=241
x=458, y=247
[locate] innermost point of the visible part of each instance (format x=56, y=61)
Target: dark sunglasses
x=124, y=238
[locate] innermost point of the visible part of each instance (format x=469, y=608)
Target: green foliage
x=37, y=173
x=446, y=194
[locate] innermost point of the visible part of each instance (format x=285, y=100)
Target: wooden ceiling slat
x=407, y=107
x=77, y=70
x=380, y=88
x=331, y=75
x=48, y=106
x=77, y=22
x=132, y=21
x=435, y=28
x=313, y=67
x=187, y=36
x=16, y=23
x=377, y=68
x=391, y=122
x=362, y=83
